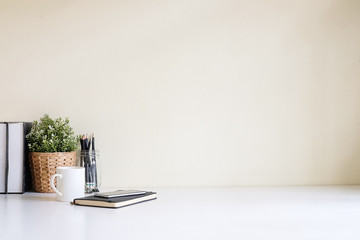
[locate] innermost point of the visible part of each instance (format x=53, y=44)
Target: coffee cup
x=70, y=183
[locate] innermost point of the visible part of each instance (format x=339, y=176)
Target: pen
x=88, y=158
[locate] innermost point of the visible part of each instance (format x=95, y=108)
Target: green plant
x=52, y=135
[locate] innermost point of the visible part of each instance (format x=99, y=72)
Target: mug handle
x=52, y=182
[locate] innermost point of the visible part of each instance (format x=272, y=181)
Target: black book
x=115, y=202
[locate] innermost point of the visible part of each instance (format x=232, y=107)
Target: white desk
x=289, y=213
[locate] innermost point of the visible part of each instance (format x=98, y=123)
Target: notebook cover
x=27, y=174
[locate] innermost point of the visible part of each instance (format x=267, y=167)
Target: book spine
x=7, y=159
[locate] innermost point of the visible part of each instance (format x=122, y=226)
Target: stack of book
x=116, y=199
x=14, y=167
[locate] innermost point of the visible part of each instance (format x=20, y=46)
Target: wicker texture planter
x=43, y=166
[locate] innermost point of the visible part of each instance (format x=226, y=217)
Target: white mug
x=70, y=183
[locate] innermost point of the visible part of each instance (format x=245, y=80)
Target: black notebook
x=115, y=202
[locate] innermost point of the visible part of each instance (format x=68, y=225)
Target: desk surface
x=192, y=213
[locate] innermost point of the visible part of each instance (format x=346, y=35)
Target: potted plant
x=51, y=143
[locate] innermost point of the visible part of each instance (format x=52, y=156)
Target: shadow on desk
x=49, y=197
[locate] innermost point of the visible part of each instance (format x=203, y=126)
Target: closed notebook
x=115, y=202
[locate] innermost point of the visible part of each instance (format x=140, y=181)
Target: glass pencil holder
x=90, y=160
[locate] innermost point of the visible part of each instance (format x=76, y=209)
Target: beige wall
x=193, y=93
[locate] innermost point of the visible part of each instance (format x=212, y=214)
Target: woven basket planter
x=43, y=166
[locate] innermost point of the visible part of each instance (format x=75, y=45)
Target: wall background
x=193, y=93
